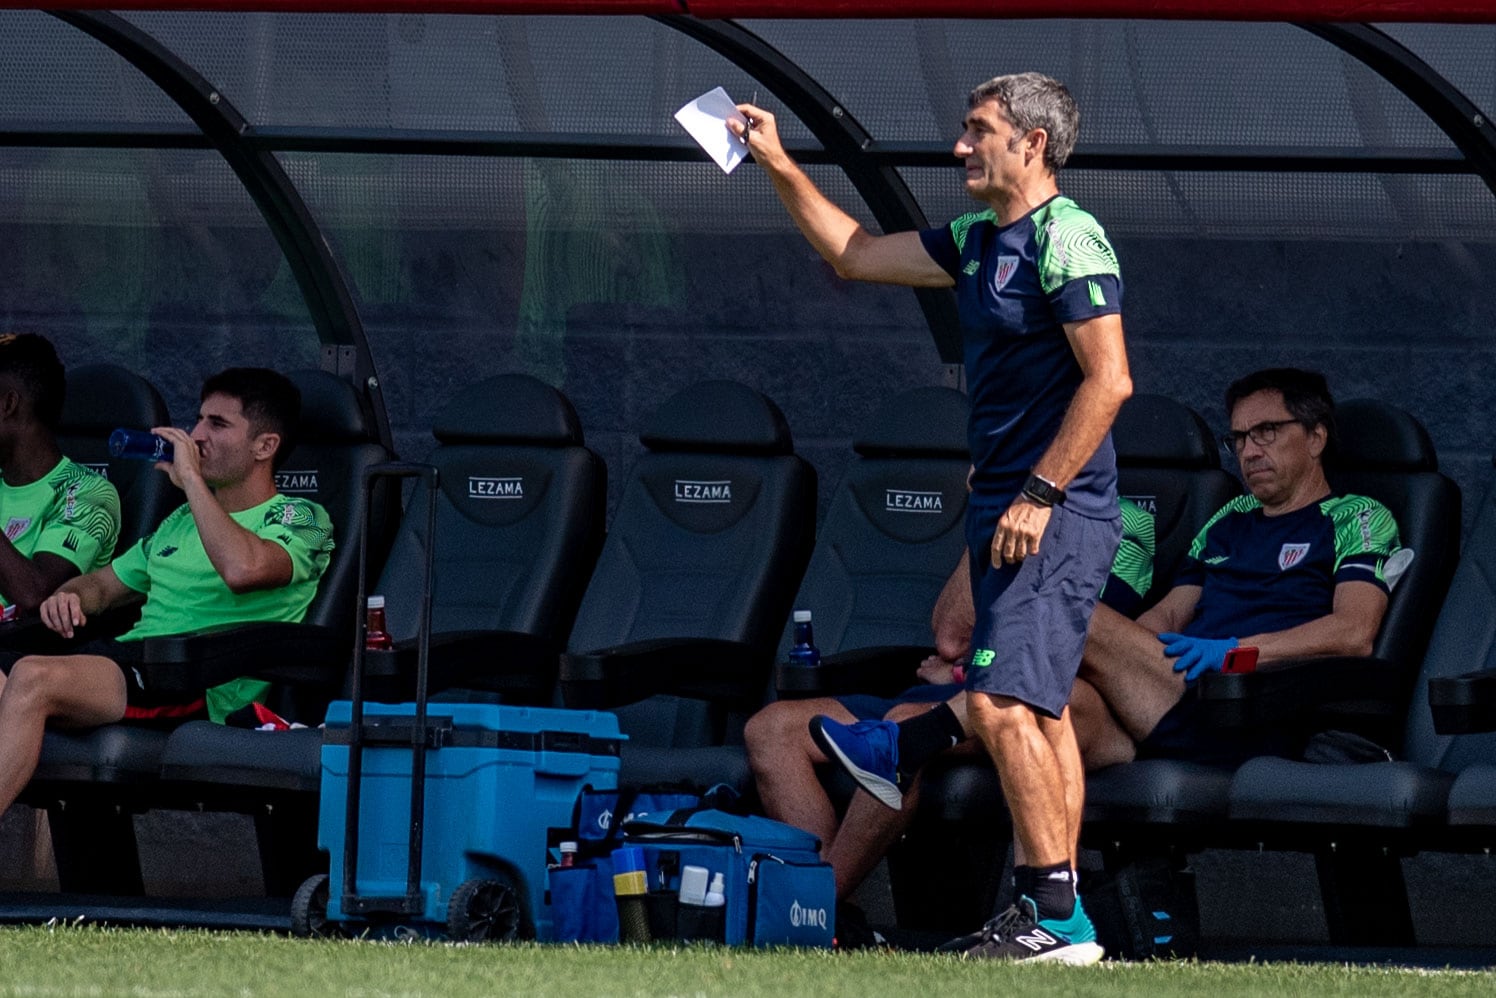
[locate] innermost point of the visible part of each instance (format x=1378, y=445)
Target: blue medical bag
x=778, y=891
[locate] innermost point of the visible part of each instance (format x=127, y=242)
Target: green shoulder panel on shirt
x=304, y=529
x=1241, y=504
x=1071, y=244
x=90, y=505
x=1362, y=526
x=961, y=227
x=1134, y=561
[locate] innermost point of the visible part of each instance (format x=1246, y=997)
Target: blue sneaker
x=1019, y=934
x=867, y=750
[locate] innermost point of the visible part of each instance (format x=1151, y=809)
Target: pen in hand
x=749, y=126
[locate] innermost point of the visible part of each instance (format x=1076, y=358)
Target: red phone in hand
x=1242, y=658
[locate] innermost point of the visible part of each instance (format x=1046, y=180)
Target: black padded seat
x=1472, y=797
x=1376, y=794
x=1384, y=452
x=1464, y=641
x=519, y=522
x=335, y=442
x=1158, y=791
x=111, y=754
x=100, y=399
x=1169, y=463
x=701, y=766
x=677, y=628
x=241, y=758
x=891, y=536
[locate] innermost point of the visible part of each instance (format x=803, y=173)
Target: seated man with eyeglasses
x=1291, y=569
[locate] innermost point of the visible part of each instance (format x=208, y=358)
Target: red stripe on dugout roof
x=1364, y=11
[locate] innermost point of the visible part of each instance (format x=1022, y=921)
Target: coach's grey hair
x=1033, y=100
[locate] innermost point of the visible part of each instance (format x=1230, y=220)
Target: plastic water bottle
x=139, y=444
x=804, y=654
x=376, y=631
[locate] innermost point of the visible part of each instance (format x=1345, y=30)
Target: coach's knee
x=997, y=715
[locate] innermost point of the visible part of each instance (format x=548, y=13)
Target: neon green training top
x=71, y=512
x=185, y=593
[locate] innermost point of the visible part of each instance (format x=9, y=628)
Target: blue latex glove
x=1196, y=656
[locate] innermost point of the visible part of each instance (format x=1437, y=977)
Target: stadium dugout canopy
x=1240, y=10
x=457, y=187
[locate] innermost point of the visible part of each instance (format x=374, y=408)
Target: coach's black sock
x=1051, y=888
x=925, y=736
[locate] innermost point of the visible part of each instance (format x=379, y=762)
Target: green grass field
x=37, y=962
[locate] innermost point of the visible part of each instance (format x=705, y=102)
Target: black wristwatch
x=1042, y=492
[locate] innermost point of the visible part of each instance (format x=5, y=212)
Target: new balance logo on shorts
x=982, y=657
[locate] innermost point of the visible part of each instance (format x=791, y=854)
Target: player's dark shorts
x=866, y=707
x=1181, y=734
x=143, y=705
x=1032, y=617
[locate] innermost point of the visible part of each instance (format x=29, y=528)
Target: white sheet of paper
x=706, y=119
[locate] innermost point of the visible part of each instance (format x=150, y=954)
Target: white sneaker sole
x=887, y=794
x=1074, y=955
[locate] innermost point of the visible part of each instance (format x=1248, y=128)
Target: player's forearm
x=244, y=562
x=94, y=591
x=22, y=582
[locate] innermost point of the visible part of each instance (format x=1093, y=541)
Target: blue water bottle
x=804, y=654
x=139, y=444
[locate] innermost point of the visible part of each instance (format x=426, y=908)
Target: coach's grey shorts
x=1032, y=617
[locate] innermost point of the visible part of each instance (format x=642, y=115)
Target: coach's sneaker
x=867, y=750
x=1019, y=934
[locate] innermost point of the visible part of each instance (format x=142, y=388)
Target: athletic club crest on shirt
x=16, y=527
x=1003, y=272
x=1291, y=554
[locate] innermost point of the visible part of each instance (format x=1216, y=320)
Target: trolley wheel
x=309, y=910
x=485, y=911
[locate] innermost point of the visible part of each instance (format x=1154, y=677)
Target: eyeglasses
x=1262, y=434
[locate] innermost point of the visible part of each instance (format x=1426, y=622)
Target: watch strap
x=1043, y=492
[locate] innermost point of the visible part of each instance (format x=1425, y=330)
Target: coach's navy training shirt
x=1264, y=573
x=1016, y=285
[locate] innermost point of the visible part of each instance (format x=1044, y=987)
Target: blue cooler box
x=500, y=778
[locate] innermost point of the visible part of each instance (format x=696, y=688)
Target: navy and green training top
x=1132, y=565
x=1016, y=285
x=1263, y=573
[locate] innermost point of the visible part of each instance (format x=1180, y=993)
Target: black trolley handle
x=418, y=738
